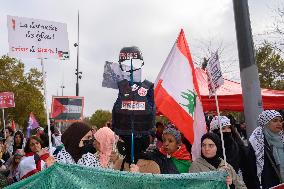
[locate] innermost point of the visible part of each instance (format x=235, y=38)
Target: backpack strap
x=273, y=164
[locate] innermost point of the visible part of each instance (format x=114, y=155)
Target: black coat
x=166, y=165
x=236, y=153
x=269, y=177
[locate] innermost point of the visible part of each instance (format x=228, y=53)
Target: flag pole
x=222, y=137
x=220, y=129
x=46, y=105
x=132, y=116
x=4, y=126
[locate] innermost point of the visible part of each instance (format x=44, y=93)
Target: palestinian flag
x=67, y=108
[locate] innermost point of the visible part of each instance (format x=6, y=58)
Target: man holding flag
x=177, y=94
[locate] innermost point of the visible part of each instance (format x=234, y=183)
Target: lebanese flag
x=177, y=95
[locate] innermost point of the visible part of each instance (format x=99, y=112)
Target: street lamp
x=77, y=73
x=62, y=87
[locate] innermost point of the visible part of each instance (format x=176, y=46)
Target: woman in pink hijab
x=105, y=140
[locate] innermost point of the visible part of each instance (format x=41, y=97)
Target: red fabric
x=44, y=156
x=230, y=95
x=29, y=154
x=30, y=173
x=38, y=165
x=13, y=126
x=176, y=113
x=180, y=154
x=183, y=47
x=280, y=186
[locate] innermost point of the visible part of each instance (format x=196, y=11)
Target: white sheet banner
x=214, y=74
x=33, y=38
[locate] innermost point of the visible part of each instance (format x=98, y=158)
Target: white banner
x=113, y=74
x=214, y=74
x=33, y=38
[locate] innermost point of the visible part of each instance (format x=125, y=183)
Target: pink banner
x=7, y=100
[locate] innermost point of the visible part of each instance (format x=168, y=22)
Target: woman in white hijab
x=266, y=151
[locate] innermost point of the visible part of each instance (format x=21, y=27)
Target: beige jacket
x=201, y=165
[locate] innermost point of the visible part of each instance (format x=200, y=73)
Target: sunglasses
x=87, y=142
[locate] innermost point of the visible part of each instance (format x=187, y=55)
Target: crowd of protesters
x=253, y=162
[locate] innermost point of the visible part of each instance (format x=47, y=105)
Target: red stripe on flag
x=174, y=112
x=184, y=49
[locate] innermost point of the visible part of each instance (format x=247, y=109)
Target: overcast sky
x=153, y=25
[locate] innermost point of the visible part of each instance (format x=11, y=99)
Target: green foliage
x=270, y=67
x=26, y=88
x=100, y=117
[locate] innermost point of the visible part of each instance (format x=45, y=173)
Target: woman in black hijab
x=210, y=160
x=78, y=144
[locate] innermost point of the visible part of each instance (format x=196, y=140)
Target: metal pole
x=4, y=124
x=220, y=130
x=46, y=105
x=252, y=100
x=77, y=70
x=62, y=87
x=132, y=114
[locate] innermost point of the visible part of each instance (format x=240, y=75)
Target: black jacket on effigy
x=269, y=177
x=135, y=103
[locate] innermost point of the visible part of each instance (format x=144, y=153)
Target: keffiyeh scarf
x=257, y=138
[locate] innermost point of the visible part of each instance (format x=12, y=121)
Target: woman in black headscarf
x=78, y=146
x=211, y=160
x=236, y=151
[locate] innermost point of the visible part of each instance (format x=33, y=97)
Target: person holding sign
x=210, y=160
x=236, y=151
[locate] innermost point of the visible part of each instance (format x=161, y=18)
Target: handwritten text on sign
x=32, y=38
